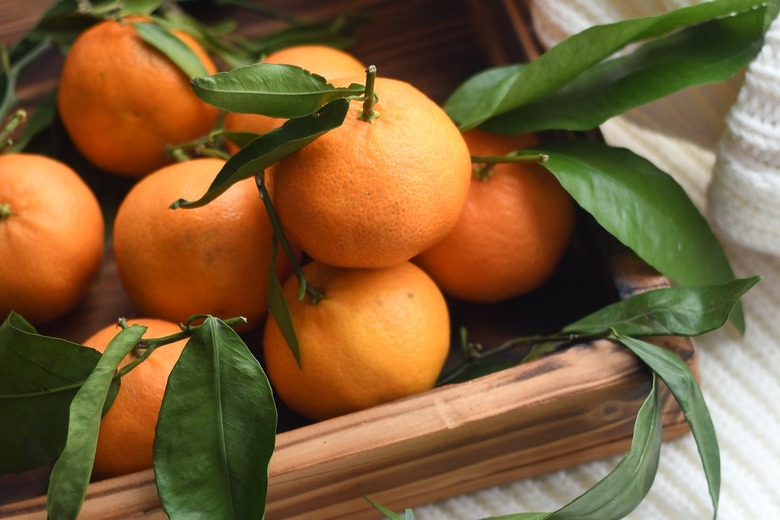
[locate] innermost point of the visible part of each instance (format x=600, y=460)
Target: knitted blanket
x=725, y=152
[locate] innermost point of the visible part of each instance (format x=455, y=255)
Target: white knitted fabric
x=739, y=376
x=746, y=184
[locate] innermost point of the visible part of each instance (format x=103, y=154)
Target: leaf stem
x=474, y=352
x=315, y=294
x=12, y=72
x=483, y=165
x=368, y=114
x=5, y=133
x=149, y=345
x=5, y=211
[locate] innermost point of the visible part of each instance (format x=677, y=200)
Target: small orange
x=209, y=260
x=378, y=335
x=375, y=194
x=126, y=435
x=512, y=232
x=122, y=101
x=328, y=62
x=51, y=237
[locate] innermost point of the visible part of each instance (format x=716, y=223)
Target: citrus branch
x=5, y=133
x=147, y=346
x=474, y=352
x=484, y=171
x=510, y=158
x=305, y=288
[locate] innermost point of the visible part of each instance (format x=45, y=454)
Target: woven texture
x=735, y=182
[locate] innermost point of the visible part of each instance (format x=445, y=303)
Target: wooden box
x=563, y=409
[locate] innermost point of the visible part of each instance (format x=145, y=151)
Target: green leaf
x=240, y=139
x=39, y=376
x=564, y=62
x=271, y=147
x=65, y=20
x=172, y=47
x=617, y=494
x=388, y=513
x=216, y=430
x=277, y=306
x=275, y=90
x=683, y=386
x=681, y=311
x=644, y=208
x=71, y=473
x=707, y=53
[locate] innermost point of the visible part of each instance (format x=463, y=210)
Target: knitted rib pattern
x=743, y=195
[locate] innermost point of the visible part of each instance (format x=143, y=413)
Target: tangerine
x=208, y=260
x=512, y=232
x=126, y=435
x=51, y=235
x=377, y=335
x=375, y=194
x=122, y=101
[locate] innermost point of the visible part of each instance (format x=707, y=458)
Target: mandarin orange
x=126, y=435
x=51, y=237
x=513, y=230
x=209, y=260
x=375, y=194
x=377, y=335
x=122, y=101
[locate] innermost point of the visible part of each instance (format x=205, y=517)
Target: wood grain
x=560, y=410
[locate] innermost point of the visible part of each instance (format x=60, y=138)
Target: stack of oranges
x=387, y=212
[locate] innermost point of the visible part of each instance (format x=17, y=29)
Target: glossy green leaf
x=216, y=430
x=218, y=39
x=271, y=147
x=680, y=311
x=617, y=494
x=64, y=20
x=706, y=53
x=240, y=139
x=644, y=208
x=277, y=306
x=563, y=63
x=625, y=487
x=275, y=90
x=39, y=376
x=389, y=513
x=683, y=386
x=172, y=47
x=71, y=473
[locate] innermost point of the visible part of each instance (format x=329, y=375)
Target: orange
x=328, y=62
x=374, y=194
x=122, y=101
x=209, y=260
x=513, y=230
x=51, y=237
x=378, y=335
x=126, y=435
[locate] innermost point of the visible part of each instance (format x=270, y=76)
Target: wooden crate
x=560, y=410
